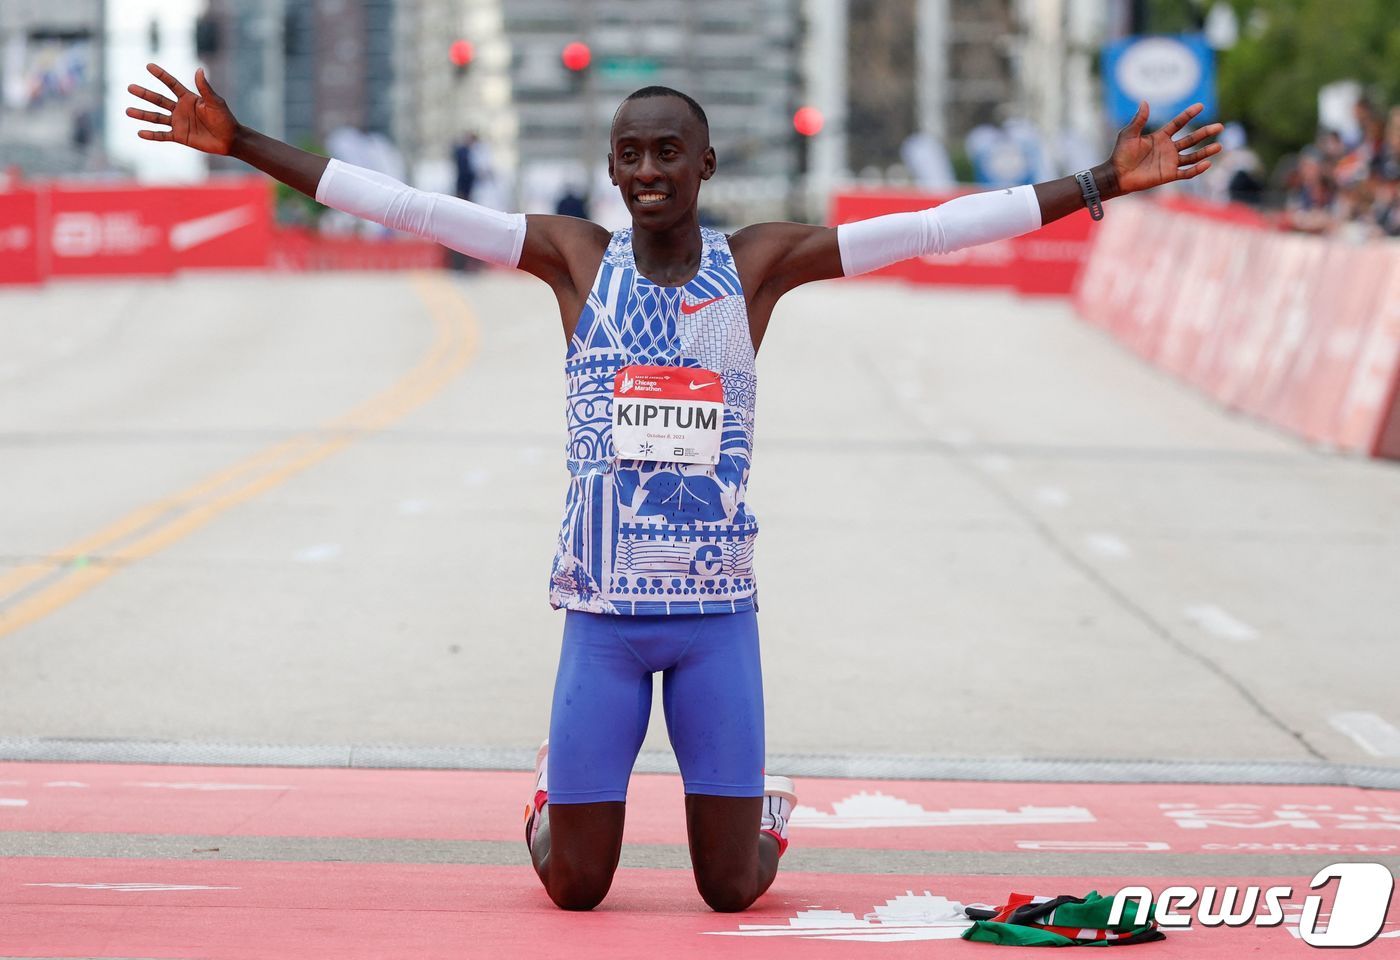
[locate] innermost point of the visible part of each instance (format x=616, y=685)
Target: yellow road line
x=172, y=518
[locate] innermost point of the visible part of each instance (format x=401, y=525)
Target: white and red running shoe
x=534, y=807
x=778, y=803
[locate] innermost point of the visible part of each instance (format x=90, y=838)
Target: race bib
x=670, y=414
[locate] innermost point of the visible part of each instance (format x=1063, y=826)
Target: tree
x=1289, y=49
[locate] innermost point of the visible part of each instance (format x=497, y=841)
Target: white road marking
x=412, y=508
x=66, y=783
x=157, y=785
x=129, y=887
x=13, y=802
x=1095, y=846
x=1107, y=545
x=320, y=553
x=1372, y=732
x=1216, y=621
x=866, y=810
x=1051, y=496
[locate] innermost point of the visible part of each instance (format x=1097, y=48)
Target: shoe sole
x=776, y=786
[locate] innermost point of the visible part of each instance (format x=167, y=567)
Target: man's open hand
x=200, y=120
x=1142, y=161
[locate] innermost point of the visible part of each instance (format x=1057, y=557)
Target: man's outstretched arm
x=785, y=256
x=203, y=121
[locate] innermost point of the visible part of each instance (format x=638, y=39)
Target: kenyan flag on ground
x=1027, y=921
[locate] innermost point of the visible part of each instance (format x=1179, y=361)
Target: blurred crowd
x=1349, y=185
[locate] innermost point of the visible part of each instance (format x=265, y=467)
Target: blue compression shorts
x=712, y=689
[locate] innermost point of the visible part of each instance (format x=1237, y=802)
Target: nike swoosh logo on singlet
x=688, y=308
x=702, y=386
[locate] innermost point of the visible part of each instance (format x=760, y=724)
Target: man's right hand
x=200, y=120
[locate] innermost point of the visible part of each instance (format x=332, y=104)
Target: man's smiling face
x=660, y=154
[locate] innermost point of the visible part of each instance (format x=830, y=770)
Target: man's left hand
x=1141, y=161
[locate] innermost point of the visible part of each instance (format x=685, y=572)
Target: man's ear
x=708, y=163
x=611, y=176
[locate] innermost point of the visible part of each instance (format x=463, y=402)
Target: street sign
x=1169, y=72
x=628, y=68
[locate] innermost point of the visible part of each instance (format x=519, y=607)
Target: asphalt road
x=320, y=509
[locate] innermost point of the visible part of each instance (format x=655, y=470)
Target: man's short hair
x=647, y=93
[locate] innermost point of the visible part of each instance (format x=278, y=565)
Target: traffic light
x=576, y=57
x=461, y=53
x=808, y=121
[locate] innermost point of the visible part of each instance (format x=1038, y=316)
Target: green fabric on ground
x=1012, y=934
x=1094, y=912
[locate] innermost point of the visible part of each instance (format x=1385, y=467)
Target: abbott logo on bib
x=668, y=414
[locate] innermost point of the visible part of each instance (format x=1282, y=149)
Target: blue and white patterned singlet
x=642, y=537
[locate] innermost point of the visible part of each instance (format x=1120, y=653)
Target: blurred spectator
x=572, y=203
x=465, y=162
x=1311, y=194
x=1349, y=186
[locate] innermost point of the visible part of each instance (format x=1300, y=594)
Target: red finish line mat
x=262, y=910
x=886, y=814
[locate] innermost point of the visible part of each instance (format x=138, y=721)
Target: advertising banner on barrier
x=221, y=223
x=21, y=253
x=1298, y=331
x=105, y=231
x=1046, y=261
x=82, y=229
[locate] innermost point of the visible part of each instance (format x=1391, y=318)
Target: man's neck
x=668, y=257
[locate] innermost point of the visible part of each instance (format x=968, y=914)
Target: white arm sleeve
x=961, y=222
x=462, y=225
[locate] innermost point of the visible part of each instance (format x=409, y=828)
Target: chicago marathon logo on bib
x=667, y=414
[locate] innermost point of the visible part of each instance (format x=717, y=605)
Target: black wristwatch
x=1090, y=191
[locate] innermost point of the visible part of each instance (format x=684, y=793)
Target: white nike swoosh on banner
x=701, y=386
x=192, y=233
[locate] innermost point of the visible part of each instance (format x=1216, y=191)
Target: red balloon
x=461, y=52
x=577, y=56
x=808, y=121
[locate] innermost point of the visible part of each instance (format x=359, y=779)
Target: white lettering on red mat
x=667, y=414
x=1294, y=816
x=83, y=234
x=130, y=887
x=867, y=810
x=907, y=917
x=13, y=802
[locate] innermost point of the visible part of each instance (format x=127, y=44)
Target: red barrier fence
x=1298, y=331
x=1046, y=261
x=83, y=229
x=21, y=259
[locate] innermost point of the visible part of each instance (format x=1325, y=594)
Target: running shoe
x=779, y=799
x=534, y=807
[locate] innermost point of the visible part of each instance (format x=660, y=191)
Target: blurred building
x=302, y=69
x=51, y=69
x=944, y=68
x=738, y=58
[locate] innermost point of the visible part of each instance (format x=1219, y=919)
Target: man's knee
x=726, y=893
x=578, y=887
